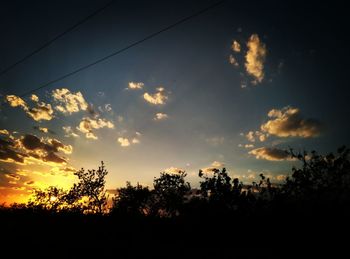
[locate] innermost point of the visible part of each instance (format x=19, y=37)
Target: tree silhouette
x=132, y=200
x=51, y=199
x=321, y=181
x=90, y=190
x=170, y=191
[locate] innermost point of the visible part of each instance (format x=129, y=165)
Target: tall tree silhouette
x=90, y=189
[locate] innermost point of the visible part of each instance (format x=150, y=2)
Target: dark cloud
x=270, y=153
x=8, y=152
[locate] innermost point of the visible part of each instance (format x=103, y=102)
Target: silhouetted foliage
x=320, y=181
x=52, y=199
x=90, y=190
x=169, y=193
x=132, y=200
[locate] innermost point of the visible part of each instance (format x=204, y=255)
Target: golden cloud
x=124, y=142
x=236, y=47
x=34, y=98
x=270, y=153
x=157, y=98
x=87, y=125
x=68, y=102
x=4, y=132
x=42, y=111
x=288, y=122
x=255, y=58
x=135, y=85
x=16, y=101
x=173, y=170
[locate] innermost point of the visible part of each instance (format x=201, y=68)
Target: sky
x=233, y=87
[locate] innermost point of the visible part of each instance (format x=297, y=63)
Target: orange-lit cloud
x=68, y=102
x=236, y=47
x=157, y=98
x=42, y=111
x=270, y=153
x=255, y=58
x=288, y=122
x=173, y=170
x=87, y=125
x=135, y=85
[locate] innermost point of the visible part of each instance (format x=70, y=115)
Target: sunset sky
x=233, y=88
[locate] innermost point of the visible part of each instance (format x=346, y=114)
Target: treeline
x=320, y=184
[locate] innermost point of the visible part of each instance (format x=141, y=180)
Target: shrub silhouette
x=132, y=201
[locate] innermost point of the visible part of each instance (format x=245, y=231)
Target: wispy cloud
x=69, y=132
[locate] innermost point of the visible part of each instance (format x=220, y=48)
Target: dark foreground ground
x=224, y=236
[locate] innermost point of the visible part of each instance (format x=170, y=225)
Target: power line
x=48, y=43
x=183, y=20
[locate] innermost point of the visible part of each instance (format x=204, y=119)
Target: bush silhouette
x=132, y=201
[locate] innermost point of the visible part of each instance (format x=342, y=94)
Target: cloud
x=13, y=176
x=31, y=182
x=16, y=101
x=87, y=125
x=236, y=47
x=135, y=141
x=124, y=142
x=248, y=145
x=8, y=152
x=108, y=107
x=43, y=111
x=68, y=102
x=69, y=132
x=217, y=164
x=270, y=153
x=173, y=170
x=135, y=85
x=42, y=129
x=4, y=132
x=233, y=61
x=250, y=136
x=255, y=58
x=288, y=122
x=29, y=148
x=157, y=98
x=34, y=98
x=160, y=116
